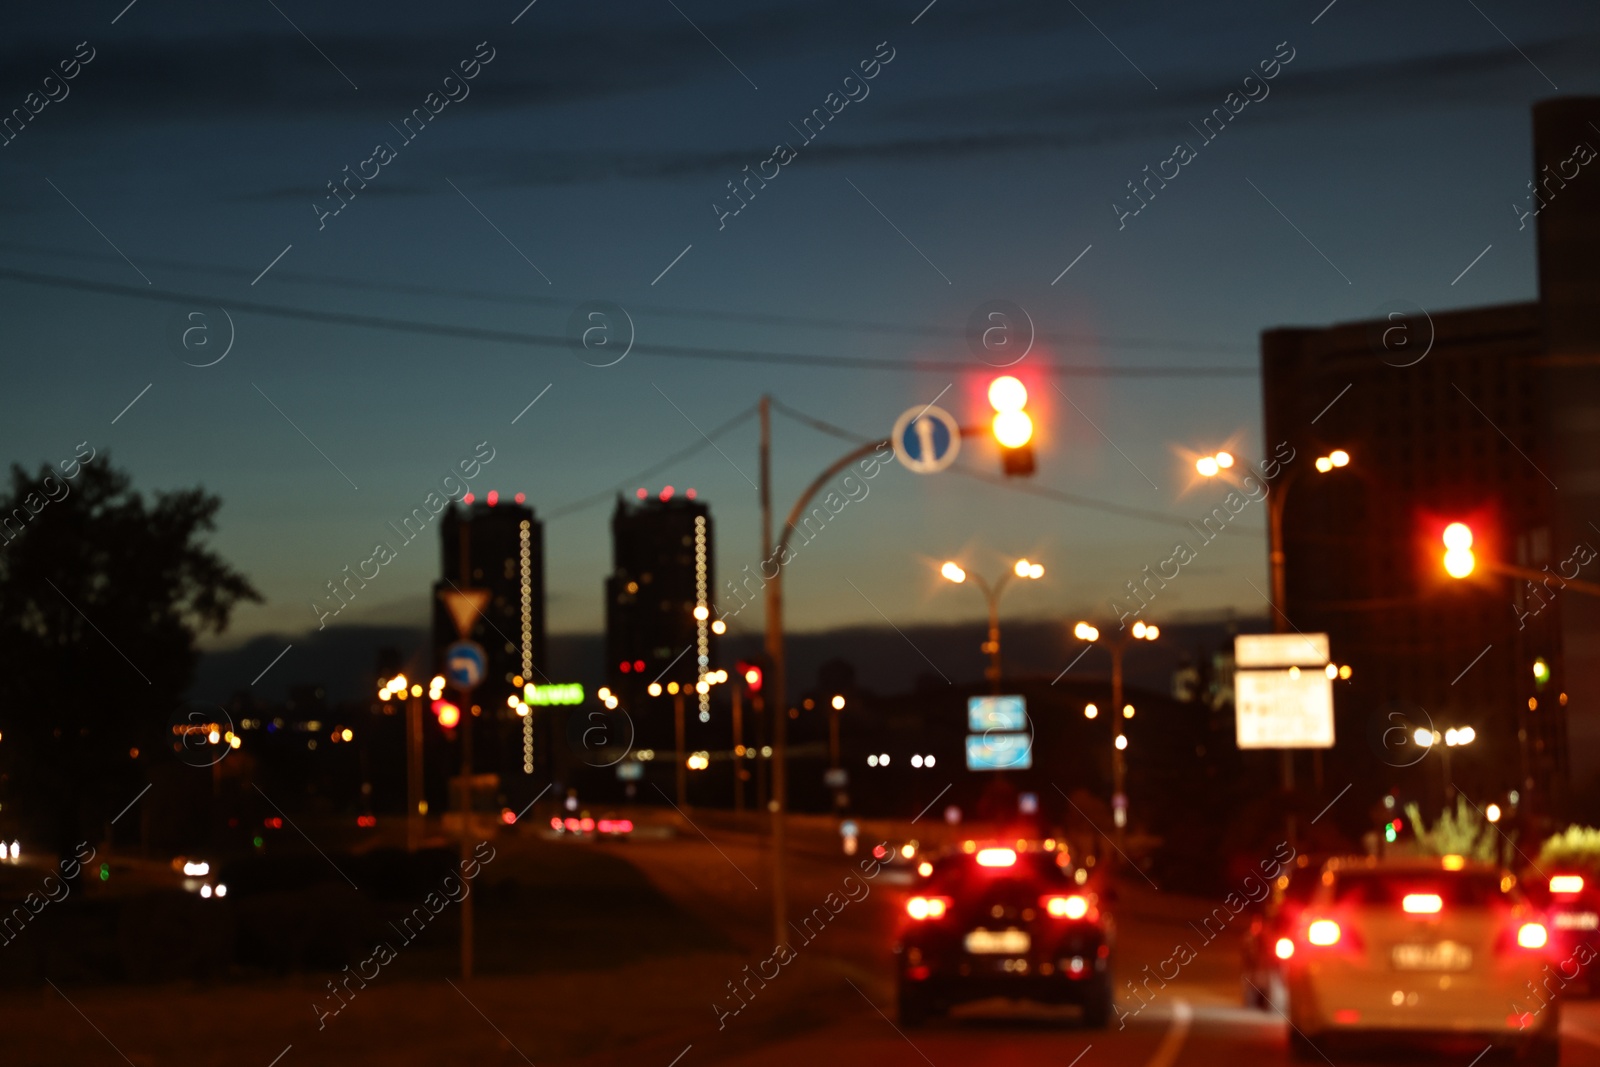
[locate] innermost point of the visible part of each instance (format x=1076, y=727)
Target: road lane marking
x=1166, y=1053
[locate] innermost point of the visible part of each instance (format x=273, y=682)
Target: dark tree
x=102, y=597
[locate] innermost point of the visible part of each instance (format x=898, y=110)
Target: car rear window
x=1454, y=888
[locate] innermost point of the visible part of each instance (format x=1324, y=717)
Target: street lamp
x=1212, y=465
x=1140, y=631
x=1023, y=568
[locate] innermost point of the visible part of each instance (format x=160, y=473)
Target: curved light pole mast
x=778, y=699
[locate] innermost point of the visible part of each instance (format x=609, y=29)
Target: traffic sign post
x=466, y=663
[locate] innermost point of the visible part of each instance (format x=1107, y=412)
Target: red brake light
x=1073, y=907
x=1323, y=932
x=1566, y=883
x=996, y=857
x=1533, y=935
x=921, y=908
x=1422, y=903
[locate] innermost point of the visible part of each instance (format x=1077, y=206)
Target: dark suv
x=1014, y=920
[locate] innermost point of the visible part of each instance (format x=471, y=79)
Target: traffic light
x=448, y=714
x=1012, y=426
x=751, y=675
x=1458, y=558
x=1541, y=673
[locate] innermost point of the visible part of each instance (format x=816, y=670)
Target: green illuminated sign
x=543, y=695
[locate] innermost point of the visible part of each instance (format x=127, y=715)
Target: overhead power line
x=864, y=363
x=652, y=470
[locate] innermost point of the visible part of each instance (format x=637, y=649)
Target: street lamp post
x=1119, y=711
x=991, y=593
x=1210, y=467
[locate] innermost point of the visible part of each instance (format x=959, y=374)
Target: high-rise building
x=659, y=594
x=504, y=554
x=1473, y=416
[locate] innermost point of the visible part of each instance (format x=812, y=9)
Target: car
x=1265, y=983
x=609, y=825
x=1423, y=947
x=1574, y=909
x=1016, y=919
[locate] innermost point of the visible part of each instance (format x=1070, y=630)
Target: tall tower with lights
x=658, y=595
x=505, y=555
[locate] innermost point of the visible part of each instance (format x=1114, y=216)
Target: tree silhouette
x=102, y=596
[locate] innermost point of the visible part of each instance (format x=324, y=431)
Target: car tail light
x=624, y=826
x=1533, y=935
x=1422, y=903
x=1073, y=907
x=573, y=824
x=587, y=826
x=556, y=823
x=1323, y=932
x=997, y=857
x=921, y=908
x=1284, y=948
x=1566, y=883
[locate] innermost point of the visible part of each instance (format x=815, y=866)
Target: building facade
x=1484, y=416
x=659, y=597
x=497, y=545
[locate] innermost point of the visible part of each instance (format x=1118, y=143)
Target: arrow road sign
x=926, y=440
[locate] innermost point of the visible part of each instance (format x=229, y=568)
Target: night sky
x=588, y=159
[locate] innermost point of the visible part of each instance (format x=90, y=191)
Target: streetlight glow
x=953, y=573
x=1422, y=737
x=1090, y=711
x=1339, y=457
x=1122, y=742
x=1084, y=632
x=1207, y=466
x=838, y=703
x=1138, y=630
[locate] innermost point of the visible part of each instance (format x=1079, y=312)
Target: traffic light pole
x=774, y=646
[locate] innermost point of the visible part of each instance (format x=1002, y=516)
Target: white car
x=1428, y=947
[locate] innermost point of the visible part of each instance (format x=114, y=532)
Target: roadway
x=839, y=1007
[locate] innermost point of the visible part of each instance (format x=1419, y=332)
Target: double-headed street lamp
x=1454, y=737
x=1119, y=711
x=1213, y=465
x=991, y=592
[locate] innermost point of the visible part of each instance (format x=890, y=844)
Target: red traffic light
x=1458, y=558
x=752, y=676
x=448, y=714
x=1012, y=425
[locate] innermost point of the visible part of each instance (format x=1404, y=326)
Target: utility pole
x=682, y=756
x=413, y=773
x=779, y=699
x=462, y=531
x=738, y=746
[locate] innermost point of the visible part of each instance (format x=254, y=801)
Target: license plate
x=1577, y=920
x=998, y=942
x=1442, y=956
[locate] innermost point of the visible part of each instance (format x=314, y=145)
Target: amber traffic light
x=1012, y=425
